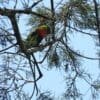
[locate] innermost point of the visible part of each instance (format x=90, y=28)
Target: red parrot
x=36, y=37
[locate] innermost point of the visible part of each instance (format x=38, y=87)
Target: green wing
x=31, y=40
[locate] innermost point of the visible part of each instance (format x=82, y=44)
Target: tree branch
x=34, y=4
x=8, y=48
x=82, y=31
x=16, y=31
x=7, y=12
x=97, y=18
x=80, y=55
x=53, y=16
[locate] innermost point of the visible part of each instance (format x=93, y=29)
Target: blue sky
x=53, y=79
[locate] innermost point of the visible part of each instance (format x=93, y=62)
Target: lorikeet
x=36, y=37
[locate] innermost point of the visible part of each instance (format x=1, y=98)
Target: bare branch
x=34, y=4
x=8, y=48
x=8, y=12
x=53, y=16
x=97, y=18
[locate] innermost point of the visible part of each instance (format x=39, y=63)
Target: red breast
x=42, y=32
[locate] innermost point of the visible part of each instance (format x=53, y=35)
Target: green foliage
x=45, y=96
x=34, y=21
x=53, y=59
x=81, y=13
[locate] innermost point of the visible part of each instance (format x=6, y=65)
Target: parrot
x=35, y=37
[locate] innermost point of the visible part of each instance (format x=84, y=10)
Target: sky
x=53, y=79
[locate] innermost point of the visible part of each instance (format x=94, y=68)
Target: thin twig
x=8, y=48
x=82, y=31
x=34, y=4
x=33, y=73
x=80, y=55
x=97, y=18
x=40, y=73
x=53, y=16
